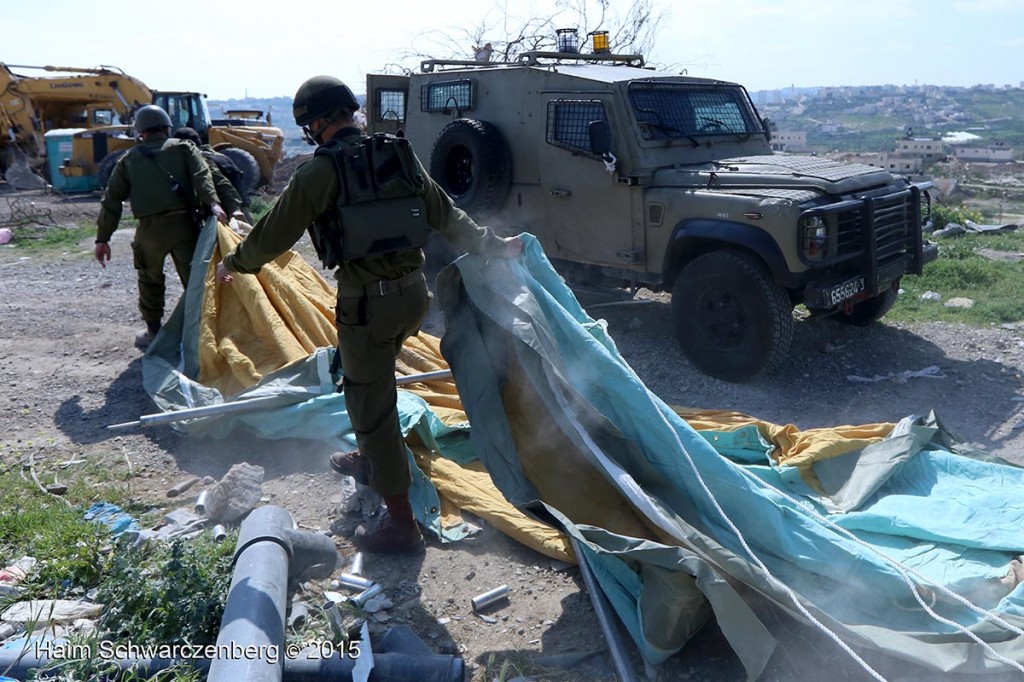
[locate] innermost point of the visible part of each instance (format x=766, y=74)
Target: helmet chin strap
x=313, y=136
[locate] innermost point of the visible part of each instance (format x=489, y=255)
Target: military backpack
x=380, y=206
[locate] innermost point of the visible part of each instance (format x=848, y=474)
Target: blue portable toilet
x=58, y=156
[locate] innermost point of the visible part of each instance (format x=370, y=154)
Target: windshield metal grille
x=672, y=110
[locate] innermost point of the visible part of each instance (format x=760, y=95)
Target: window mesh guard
x=669, y=110
x=568, y=124
x=443, y=95
x=391, y=105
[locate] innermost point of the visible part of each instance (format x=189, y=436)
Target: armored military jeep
x=633, y=178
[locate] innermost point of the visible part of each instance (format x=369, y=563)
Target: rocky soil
x=68, y=369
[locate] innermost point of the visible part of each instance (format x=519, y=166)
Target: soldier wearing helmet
x=368, y=204
x=168, y=182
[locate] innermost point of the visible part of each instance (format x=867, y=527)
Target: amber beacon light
x=599, y=39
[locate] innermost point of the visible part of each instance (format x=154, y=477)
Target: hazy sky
x=764, y=44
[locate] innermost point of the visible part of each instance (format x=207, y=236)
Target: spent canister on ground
x=482, y=601
x=365, y=596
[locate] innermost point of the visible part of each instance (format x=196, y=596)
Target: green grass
x=46, y=237
x=67, y=547
x=995, y=286
x=161, y=593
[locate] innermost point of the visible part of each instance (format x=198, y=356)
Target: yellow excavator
x=63, y=125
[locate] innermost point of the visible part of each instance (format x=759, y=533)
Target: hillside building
x=996, y=153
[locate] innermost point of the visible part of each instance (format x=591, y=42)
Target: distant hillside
x=866, y=118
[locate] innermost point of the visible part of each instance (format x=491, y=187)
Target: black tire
x=732, y=319
x=471, y=162
x=871, y=310
x=106, y=167
x=246, y=163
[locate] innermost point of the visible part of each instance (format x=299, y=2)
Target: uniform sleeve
x=113, y=200
x=311, y=191
x=202, y=179
x=454, y=224
x=226, y=193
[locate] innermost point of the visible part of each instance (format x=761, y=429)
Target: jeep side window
x=568, y=123
x=445, y=96
x=681, y=110
x=391, y=105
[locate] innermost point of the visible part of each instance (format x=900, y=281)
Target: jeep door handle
x=561, y=192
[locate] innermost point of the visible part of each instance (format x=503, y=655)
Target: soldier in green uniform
x=369, y=205
x=227, y=177
x=167, y=181
x=227, y=192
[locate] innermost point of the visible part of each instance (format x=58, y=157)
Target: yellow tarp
x=261, y=323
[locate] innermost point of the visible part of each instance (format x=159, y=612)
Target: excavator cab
x=185, y=109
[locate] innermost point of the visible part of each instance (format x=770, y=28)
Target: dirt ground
x=68, y=369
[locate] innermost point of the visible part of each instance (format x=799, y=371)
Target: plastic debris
x=931, y=296
x=932, y=372
x=14, y=574
x=51, y=611
x=112, y=516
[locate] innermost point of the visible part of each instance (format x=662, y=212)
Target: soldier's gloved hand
x=513, y=247
x=223, y=274
x=102, y=252
x=216, y=210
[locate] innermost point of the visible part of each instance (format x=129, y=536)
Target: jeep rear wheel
x=871, y=310
x=732, y=319
x=471, y=163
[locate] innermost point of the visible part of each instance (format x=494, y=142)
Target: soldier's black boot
x=144, y=338
x=394, y=531
x=352, y=464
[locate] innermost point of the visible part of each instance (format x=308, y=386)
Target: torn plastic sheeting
x=523, y=349
x=111, y=516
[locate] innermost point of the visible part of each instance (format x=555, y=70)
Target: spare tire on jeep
x=472, y=163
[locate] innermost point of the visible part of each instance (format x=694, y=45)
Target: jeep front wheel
x=732, y=319
x=871, y=310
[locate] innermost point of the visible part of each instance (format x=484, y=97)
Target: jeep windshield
x=689, y=111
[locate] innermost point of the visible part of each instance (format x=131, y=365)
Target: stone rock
x=958, y=302
x=240, y=491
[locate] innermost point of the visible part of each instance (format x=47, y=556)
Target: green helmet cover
x=319, y=96
x=151, y=116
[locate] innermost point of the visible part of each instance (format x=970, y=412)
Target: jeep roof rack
x=533, y=57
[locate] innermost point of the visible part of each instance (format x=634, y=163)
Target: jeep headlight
x=814, y=233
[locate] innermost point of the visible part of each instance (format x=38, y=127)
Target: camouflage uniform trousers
x=173, y=234
x=371, y=330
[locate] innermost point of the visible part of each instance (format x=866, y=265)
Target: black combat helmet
x=319, y=96
x=151, y=116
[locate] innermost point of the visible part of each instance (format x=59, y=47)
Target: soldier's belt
x=383, y=287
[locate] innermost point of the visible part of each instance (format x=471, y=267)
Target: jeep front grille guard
x=874, y=234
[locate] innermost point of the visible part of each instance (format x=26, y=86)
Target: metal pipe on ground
x=260, y=403
x=620, y=658
x=250, y=645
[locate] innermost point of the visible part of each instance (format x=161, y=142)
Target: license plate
x=844, y=291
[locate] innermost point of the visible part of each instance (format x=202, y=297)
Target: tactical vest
x=380, y=209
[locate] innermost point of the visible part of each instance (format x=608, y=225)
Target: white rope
x=760, y=564
x=904, y=571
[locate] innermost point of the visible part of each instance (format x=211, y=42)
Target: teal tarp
x=906, y=510
x=932, y=517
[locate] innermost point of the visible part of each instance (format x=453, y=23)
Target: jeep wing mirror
x=600, y=135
